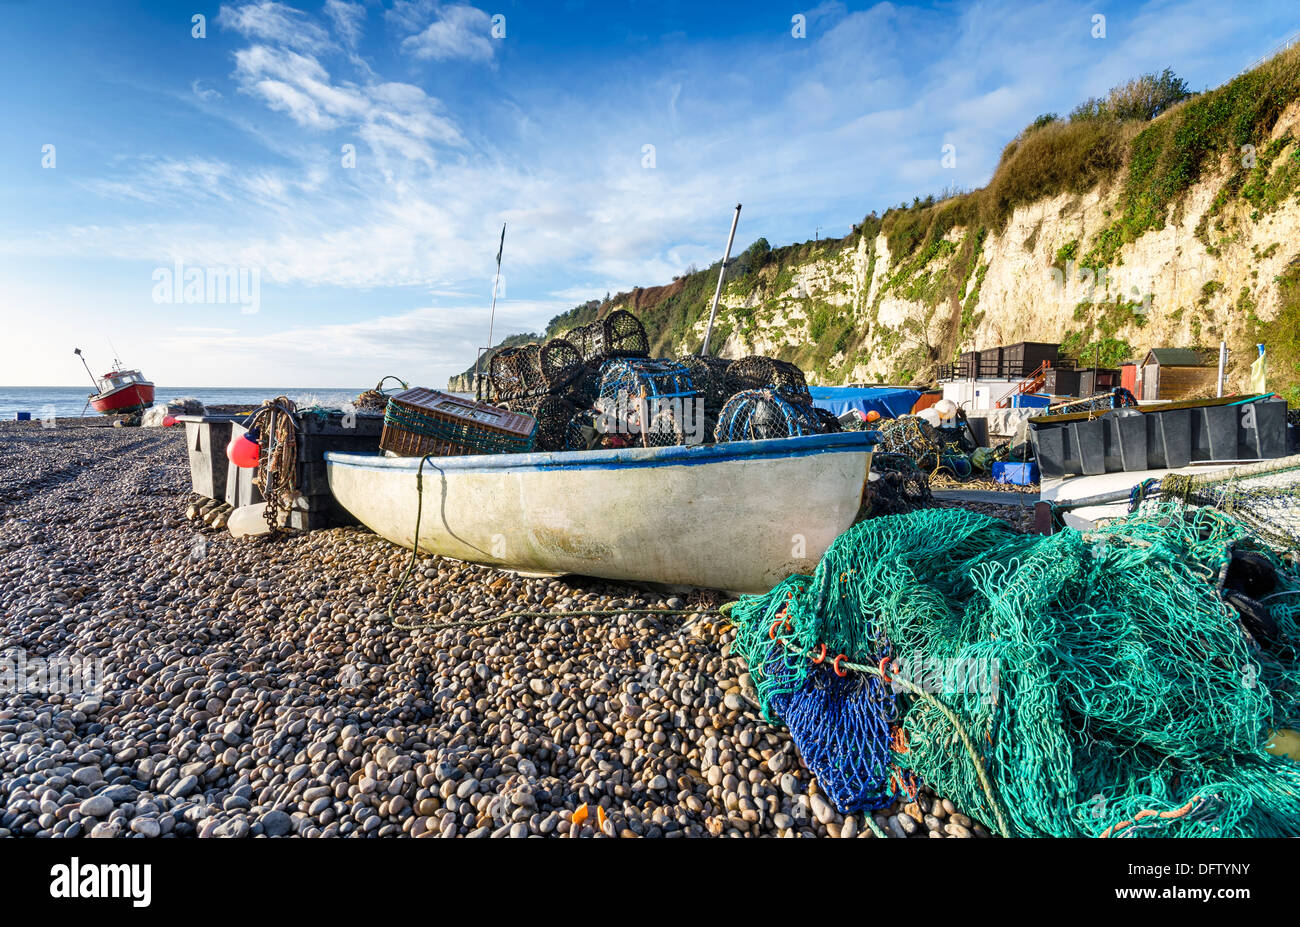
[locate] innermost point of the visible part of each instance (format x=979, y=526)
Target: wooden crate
x=424, y=422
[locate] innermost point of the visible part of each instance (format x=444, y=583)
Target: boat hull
x=739, y=517
x=124, y=399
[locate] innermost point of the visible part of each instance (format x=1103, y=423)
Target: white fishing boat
x=739, y=516
x=1263, y=493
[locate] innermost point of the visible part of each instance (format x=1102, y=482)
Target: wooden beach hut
x=1175, y=373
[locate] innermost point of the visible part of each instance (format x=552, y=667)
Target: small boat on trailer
x=121, y=391
x=739, y=516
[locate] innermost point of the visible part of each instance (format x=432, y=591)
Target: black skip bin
x=1169, y=439
x=1126, y=440
x=1158, y=438
x=1263, y=429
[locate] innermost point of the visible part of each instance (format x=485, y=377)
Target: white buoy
x=248, y=521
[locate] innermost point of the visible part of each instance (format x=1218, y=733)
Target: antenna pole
x=478, y=373
x=717, y=293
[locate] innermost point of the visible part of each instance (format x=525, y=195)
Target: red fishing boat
x=121, y=392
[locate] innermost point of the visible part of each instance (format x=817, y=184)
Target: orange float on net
x=821, y=656
x=898, y=740
x=835, y=664
x=899, y=784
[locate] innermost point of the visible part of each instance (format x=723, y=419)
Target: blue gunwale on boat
x=624, y=458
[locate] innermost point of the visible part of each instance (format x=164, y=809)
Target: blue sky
x=227, y=152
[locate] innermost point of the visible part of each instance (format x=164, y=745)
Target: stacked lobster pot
x=618, y=335
x=641, y=402
x=597, y=387
x=769, y=398
x=558, y=380
x=536, y=380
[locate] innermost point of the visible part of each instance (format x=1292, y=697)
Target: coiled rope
x=277, y=424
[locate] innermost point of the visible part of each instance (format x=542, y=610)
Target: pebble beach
x=257, y=688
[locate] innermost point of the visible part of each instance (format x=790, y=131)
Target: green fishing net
x=1104, y=681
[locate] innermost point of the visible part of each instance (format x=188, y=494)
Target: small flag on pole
x=1259, y=372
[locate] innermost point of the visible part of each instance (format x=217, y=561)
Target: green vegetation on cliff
x=1280, y=334
x=1175, y=151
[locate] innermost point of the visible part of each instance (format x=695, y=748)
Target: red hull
x=124, y=399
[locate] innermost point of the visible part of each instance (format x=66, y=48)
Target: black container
x=1024, y=357
x=1126, y=440
x=1169, y=439
x=1060, y=381
x=1214, y=432
x=1157, y=438
x=1263, y=430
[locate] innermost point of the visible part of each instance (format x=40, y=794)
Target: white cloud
x=457, y=32
x=424, y=345
x=206, y=94
x=156, y=180
x=347, y=18
x=398, y=120
x=855, y=122
x=274, y=22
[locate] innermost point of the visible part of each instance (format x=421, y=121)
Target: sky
x=312, y=194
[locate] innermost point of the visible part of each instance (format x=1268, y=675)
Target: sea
x=68, y=401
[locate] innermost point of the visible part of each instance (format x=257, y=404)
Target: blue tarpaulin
x=1019, y=474
x=889, y=401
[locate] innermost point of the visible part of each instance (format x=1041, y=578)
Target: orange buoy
x=243, y=450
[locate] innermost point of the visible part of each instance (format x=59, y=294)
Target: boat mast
x=77, y=351
x=704, y=349
x=478, y=374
